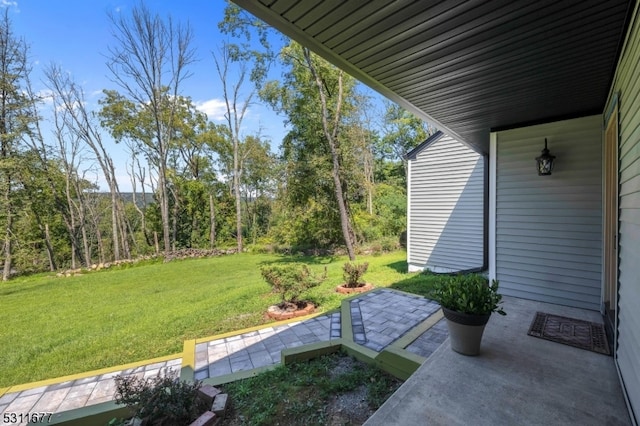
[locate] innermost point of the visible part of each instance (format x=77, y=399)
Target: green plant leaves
x=353, y=272
x=290, y=281
x=469, y=294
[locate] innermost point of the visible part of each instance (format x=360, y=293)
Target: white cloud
x=214, y=108
x=46, y=96
x=9, y=3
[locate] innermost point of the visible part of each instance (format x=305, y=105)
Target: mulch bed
x=288, y=311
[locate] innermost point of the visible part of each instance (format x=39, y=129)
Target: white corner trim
x=409, y=211
x=493, y=159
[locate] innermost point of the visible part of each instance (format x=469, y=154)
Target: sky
x=76, y=35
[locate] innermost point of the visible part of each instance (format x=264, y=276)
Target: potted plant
x=467, y=303
x=352, y=274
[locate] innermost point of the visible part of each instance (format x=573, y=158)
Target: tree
x=236, y=109
x=149, y=63
x=260, y=168
x=76, y=125
x=16, y=120
x=403, y=132
x=253, y=60
x=331, y=116
x=245, y=29
x=316, y=98
x=192, y=177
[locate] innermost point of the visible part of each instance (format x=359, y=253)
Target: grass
x=59, y=326
x=302, y=393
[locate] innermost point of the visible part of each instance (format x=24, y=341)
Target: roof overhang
x=467, y=67
x=413, y=154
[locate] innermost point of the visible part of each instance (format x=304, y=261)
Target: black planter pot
x=465, y=319
x=465, y=331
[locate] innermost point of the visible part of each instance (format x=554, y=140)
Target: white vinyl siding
x=627, y=86
x=549, y=228
x=446, y=207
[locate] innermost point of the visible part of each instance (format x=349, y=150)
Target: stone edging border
x=274, y=313
x=342, y=289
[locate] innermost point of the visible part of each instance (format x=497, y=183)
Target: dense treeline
x=336, y=180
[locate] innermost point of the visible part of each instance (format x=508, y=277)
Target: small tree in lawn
x=353, y=272
x=290, y=282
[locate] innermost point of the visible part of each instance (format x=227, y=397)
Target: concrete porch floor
x=516, y=380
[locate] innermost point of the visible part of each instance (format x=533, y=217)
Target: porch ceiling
x=467, y=66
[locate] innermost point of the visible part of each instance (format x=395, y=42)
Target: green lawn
x=59, y=326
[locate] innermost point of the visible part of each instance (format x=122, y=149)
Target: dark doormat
x=570, y=331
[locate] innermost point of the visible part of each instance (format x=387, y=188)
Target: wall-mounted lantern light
x=545, y=161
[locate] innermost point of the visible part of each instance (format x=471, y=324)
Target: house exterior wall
x=626, y=86
x=446, y=207
x=548, y=229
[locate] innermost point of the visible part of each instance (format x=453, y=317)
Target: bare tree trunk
x=141, y=175
x=47, y=239
x=235, y=112
x=174, y=221
x=164, y=209
x=82, y=207
x=129, y=231
x=156, y=240
x=122, y=222
x=331, y=134
x=6, y=270
x=100, y=243
x=368, y=173
x=95, y=223
x=212, y=216
x=44, y=228
x=72, y=228
x=236, y=194
x=367, y=153
x=114, y=227
x=125, y=229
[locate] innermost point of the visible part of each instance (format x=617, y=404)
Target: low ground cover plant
x=331, y=389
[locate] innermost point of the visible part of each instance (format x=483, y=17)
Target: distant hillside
x=127, y=197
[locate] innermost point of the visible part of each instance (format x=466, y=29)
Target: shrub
x=389, y=244
x=353, y=272
x=258, y=248
x=160, y=400
x=376, y=248
x=291, y=281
